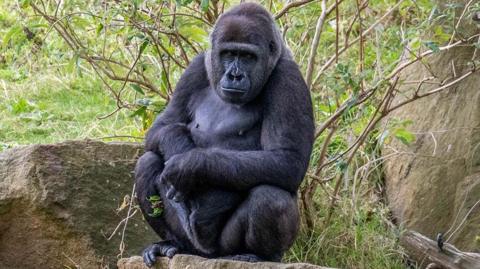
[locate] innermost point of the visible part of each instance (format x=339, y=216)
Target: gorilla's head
x=245, y=47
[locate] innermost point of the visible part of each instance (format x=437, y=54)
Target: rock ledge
x=195, y=262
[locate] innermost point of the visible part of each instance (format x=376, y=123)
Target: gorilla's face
x=239, y=66
x=245, y=49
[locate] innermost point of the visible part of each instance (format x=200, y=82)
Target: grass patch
x=49, y=108
x=356, y=238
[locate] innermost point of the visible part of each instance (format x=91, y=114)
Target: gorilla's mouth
x=234, y=90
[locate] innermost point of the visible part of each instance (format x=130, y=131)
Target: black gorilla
x=231, y=149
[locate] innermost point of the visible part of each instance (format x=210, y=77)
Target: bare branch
x=316, y=39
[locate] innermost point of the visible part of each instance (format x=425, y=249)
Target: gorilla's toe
x=171, y=252
x=150, y=254
x=162, y=249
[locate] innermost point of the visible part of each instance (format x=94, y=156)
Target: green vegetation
x=48, y=108
x=86, y=69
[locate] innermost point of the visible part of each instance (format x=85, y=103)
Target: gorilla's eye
x=250, y=56
x=227, y=53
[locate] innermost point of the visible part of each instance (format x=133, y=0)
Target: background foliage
x=105, y=69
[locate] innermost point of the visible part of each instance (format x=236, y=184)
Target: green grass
x=354, y=240
x=47, y=108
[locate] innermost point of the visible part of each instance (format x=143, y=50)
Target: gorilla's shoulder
x=198, y=60
x=194, y=77
x=287, y=68
x=196, y=66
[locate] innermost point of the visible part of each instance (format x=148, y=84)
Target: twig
x=289, y=6
x=458, y=22
x=365, y=33
x=122, y=244
x=316, y=39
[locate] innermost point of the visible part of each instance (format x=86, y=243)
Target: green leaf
x=156, y=212
x=144, y=45
x=25, y=3
x=194, y=33
x=164, y=83
x=137, y=89
x=204, y=5
x=342, y=165
x=432, y=45
x=99, y=28
x=415, y=44
x=22, y=106
x=406, y=137
x=183, y=2
x=154, y=198
x=11, y=34
x=141, y=112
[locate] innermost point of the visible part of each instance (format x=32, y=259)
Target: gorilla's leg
x=149, y=167
x=265, y=225
x=169, y=225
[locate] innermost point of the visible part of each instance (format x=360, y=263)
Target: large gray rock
x=195, y=262
x=435, y=182
x=58, y=203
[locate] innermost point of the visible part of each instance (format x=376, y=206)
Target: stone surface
x=195, y=262
x=435, y=182
x=58, y=205
x=467, y=26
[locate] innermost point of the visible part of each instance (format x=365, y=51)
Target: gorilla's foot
x=243, y=258
x=163, y=248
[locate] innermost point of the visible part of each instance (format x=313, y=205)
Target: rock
x=195, y=262
x=58, y=205
x=468, y=26
x=435, y=182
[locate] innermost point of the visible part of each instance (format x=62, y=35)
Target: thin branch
x=365, y=33
x=316, y=39
x=289, y=6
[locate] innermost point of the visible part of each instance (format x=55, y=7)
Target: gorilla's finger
x=164, y=178
x=152, y=257
x=178, y=197
x=146, y=259
x=171, y=252
x=171, y=192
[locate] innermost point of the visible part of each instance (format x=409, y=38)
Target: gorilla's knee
x=149, y=165
x=272, y=199
x=273, y=221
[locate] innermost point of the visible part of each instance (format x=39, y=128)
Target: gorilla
x=230, y=150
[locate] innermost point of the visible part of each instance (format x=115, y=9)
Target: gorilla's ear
x=209, y=68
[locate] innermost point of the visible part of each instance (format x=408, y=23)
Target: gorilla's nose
x=235, y=75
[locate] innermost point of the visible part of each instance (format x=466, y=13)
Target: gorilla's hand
x=180, y=174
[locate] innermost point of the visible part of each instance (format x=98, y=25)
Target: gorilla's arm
x=287, y=137
x=169, y=134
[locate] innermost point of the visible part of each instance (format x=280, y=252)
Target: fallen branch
x=426, y=253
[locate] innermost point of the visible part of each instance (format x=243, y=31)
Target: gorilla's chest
x=216, y=123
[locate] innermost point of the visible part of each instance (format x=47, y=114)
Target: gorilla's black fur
x=232, y=147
